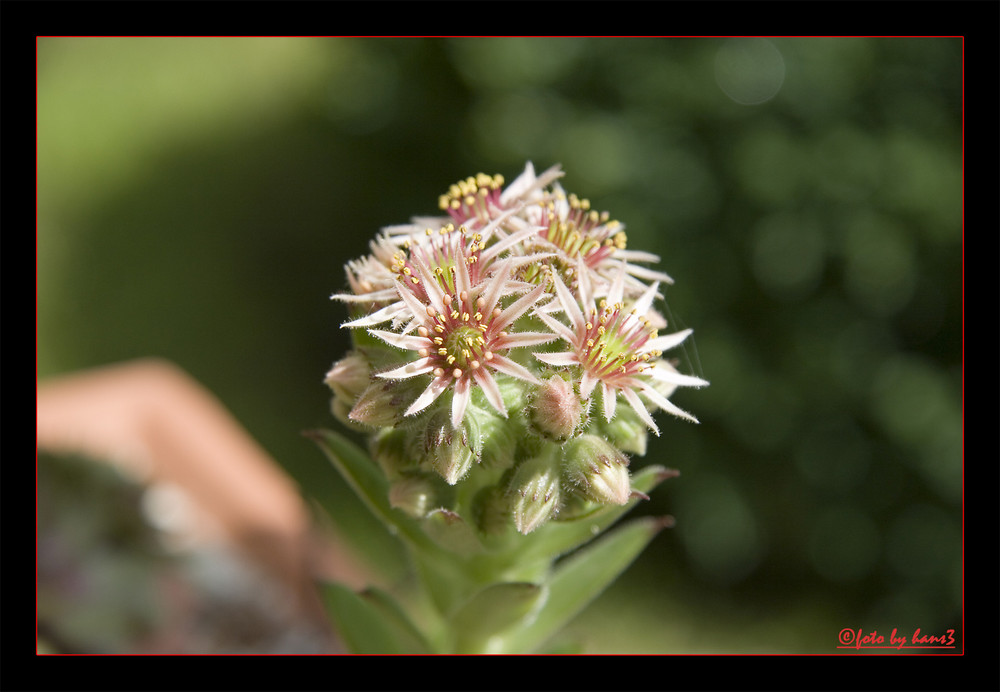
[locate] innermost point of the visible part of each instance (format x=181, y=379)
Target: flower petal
x=412, y=369
x=433, y=391
x=509, y=367
x=664, y=403
x=558, y=359
x=633, y=399
x=490, y=389
x=460, y=401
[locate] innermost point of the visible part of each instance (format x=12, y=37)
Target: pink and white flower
x=462, y=339
x=615, y=347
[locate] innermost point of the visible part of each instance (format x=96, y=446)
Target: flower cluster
x=491, y=347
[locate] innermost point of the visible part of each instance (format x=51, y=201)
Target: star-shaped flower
x=461, y=338
x=614, y=346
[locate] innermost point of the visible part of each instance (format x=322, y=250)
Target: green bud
x=382, y=403
x=597, y=471
x=556, y=409
x=392, y=449
x=448, y=451
x=349, y=377
x=498, y=442
x=535, y=490
x=491, y=510
x=626, y=431
x=414, y=495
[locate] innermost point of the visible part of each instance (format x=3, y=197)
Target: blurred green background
x=197, y=199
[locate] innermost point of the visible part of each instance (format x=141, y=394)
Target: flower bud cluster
x=491, y=347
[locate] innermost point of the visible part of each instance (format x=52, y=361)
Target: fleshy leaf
x=367, y=481
x=583, y=576
x=481, y=624
x=371, y=624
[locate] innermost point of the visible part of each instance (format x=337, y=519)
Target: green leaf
x=368, y=482
x=560, y=537
x=583, y=576
x=371, y=622
x=480, y=624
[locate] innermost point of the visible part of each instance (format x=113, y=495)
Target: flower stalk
x=491, y=348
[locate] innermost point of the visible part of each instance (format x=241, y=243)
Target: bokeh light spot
x=750, y=71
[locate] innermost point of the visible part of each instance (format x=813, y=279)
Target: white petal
x=460, y=401
x=412, y=369
x=587, y=384
x=520, y=339
x=410, y=343
x=669, y=341
x=665, y=403
x=609, y=397
x=617, y=290
x=569, y=304
x=645, y=302
x=433, y=391
x=509, y=367
x=558, y=327
x=558, y=359
x=490, y=389
x=517, y=308
x=377, y=317
x=668, y=374
x=639, y=408
x=496, y=287
x=371, y=297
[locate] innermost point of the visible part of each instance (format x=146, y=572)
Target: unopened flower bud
x=414, y=495
x=393, y=451
x=382, y=403
x=535, y=490
x=626, y=431
x=498, y=442
x=491, y=510
x=448, y=451
x=348, y=377
x=597, y=470
x=557, y=410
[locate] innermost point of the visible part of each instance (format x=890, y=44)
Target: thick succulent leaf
x=406, y=632
x=367, y=480
x=482, y=624
x=582, y=577
x=371, y=624
x=560, y=537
